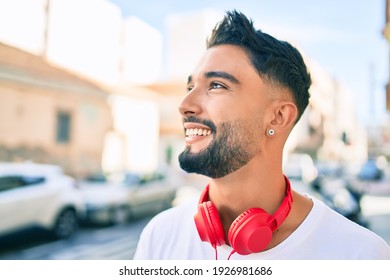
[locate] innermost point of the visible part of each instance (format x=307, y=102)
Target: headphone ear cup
x=250, y=232
x=209, y=225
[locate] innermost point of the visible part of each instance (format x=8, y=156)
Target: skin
x=226, y=87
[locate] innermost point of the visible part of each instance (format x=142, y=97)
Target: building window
x=64, y=122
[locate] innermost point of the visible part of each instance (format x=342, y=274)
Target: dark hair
x=276, y=61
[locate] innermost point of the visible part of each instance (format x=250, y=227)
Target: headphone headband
x=280, y=214
x=284, y=209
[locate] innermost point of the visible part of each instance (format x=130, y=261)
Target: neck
x=257, y=184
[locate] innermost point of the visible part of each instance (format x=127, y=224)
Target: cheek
x=225, y=108
x=219, y=111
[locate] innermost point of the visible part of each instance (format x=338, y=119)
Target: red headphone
x=250, y=232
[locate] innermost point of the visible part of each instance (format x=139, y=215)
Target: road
x=111, y=243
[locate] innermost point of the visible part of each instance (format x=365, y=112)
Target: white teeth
x=197, y=131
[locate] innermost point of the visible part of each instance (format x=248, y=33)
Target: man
x=244, y=97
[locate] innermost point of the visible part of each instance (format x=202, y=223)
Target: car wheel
x=119, y=215
x=66, y=224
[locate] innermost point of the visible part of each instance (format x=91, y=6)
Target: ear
x=284, y=115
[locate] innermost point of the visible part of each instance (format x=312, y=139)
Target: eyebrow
x=218, y=74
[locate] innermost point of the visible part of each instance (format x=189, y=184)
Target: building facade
x=49, y=115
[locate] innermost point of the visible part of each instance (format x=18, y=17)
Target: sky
x=344, y=36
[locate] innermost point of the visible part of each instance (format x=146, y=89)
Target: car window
x=33, y=180
x=14, y=182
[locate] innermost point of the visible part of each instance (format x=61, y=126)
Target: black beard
x=227, y=152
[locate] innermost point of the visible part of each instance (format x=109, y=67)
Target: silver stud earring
x=271, y=132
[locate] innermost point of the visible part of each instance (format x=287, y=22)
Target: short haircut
x=277, y=62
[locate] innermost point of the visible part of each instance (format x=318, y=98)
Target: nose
x=190, y=105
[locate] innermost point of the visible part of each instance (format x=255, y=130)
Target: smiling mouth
x=192, y=132
x=195, y=132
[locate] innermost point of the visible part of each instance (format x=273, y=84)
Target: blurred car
x=325, y=182
x=338, y=192
x=300, y=167
x=105, y=201
x=111, y=200
x=370, y=171
x=38, y=195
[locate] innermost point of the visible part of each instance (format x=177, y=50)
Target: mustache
x=205, y=122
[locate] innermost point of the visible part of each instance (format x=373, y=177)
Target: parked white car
x=106, y=202
x=110, y=202
x=38, y=195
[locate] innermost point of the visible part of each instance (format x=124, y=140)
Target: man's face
x=222, y=113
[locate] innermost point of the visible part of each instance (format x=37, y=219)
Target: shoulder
x=348, y=236
x=165, y=231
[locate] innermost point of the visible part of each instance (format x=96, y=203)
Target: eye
x=189, y=88
x=216, y=85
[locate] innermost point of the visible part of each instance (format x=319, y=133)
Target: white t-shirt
x=323, y=235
